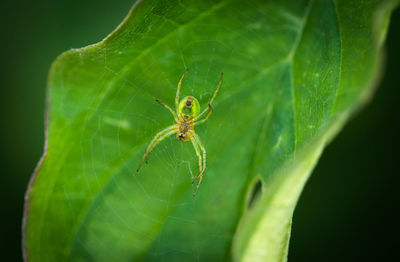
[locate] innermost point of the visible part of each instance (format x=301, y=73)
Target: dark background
x=348, y=210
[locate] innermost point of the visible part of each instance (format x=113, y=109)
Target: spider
x=187, y=116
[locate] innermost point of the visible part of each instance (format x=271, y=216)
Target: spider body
x=187, y=115
x=188, y=109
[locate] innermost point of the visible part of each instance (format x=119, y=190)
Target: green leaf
x=294, y=71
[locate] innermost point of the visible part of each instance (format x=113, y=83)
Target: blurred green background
x=348, y=209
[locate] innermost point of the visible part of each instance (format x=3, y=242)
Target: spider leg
x=205, y=119
x=212, y=99
x=160, y=136
x=177, y=92
x=202, y=167
x=197, y=149
x=167, y=107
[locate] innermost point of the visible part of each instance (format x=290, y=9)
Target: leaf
x=294, y=71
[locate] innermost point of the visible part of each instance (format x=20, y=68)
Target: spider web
x=152, y=215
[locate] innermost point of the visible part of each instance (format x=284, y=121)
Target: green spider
x=187, y=116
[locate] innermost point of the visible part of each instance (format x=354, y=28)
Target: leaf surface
x=294, y=71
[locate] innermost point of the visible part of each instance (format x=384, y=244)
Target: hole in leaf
x=255, y=193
